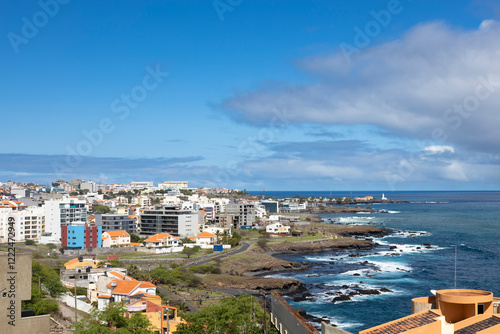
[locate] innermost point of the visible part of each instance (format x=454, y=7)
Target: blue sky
x=286, y=95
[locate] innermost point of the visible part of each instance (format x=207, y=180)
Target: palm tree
x=225, y=236
x=217, y=234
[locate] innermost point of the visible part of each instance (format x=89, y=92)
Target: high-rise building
x=62, y=212
x=81, y=236
x=243, y=214
x=27, y=224
x=168, y=219
x=114, y=222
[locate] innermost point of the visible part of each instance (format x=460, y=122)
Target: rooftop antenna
x=264, y=189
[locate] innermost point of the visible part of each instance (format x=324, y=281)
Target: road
x=244, y=247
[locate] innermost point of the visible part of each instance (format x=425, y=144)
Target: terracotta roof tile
x=123, y=287
x=479, y=326
x=158, y=237
x=205, y=235
x=405, y=324
x=118, y=233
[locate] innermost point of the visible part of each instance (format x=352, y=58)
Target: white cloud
x=435, y=83
x=439, y=149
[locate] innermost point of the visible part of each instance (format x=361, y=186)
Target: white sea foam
x=389, y=211
x=388, y=267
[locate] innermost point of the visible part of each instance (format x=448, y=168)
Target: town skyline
x=381, y=95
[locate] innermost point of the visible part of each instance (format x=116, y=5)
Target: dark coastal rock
x=342, y=298
x=368, y=292
x=385, y=290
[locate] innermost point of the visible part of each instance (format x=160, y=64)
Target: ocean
x=417, y=258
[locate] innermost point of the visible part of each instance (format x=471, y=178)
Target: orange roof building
x=162, y=240
x=118, y=238
x=458, y=311
x=205, y=238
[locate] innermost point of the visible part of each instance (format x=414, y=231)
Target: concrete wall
x=286, y=319
x=15, y=286
x=80, y=305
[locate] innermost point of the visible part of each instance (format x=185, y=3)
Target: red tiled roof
x=480, y=326
x=205, y=235
x=123, y=287
x=118, y=233
x=405, y=324
x=158, y=237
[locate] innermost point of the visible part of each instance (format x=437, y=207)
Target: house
x=277, y=228
x=160, y=316
x=459, y=311
x=115, y=238
x=205, y=238
x=162, y=240
x=81, y=263
x=122, y=290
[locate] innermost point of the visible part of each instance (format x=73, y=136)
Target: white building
x=62, y=212
x=143, y=201
x=140, y=185
x=205, y=238
x=115, y=238
x=90, y=186
x=162, y=240
x=277, y=228
x=173, y=185
x=27, y=224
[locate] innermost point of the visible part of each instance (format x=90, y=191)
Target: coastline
x=244, y=272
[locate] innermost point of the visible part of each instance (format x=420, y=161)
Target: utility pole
x=265, y=317
x=168, y=317
x=76, y=310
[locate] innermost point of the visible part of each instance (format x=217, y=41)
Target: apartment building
x=243, y=214
x=62, y=212
x=173, y=185
x=114, y=222
x=28, y=223
x=168, y=219
x=81, y=236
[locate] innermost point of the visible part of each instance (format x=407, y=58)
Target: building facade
x=172, y=220
x=62, y=212
x=81, y=236
x=27, y=224
x=173, y=185
x=114, y=222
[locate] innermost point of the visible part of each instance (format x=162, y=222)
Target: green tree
x=112, y=320
x=29, y=242
x=45, y=283
x=134, y=238
x=101, y=209
x=190, y=250
x=237, y=315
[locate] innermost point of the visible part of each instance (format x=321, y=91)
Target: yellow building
x=454, y=311
x=157, y=314
x=81, y=263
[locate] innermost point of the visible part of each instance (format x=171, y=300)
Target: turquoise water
x=470, y=220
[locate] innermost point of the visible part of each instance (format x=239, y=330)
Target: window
x=480, y=308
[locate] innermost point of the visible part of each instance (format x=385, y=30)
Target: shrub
x=205, y=269
x=29, y=242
